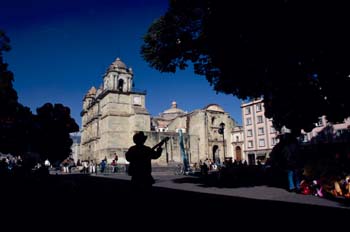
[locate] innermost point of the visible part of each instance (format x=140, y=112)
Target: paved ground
x=194, y=184
x=105, y=202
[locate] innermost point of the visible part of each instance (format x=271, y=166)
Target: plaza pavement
x=106, y=202
x=263, y=192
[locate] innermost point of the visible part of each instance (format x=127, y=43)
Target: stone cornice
x=107, y=91
x=116, y=114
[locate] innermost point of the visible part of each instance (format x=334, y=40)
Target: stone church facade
x=114, y=112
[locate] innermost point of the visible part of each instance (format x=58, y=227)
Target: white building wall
x=259, y=135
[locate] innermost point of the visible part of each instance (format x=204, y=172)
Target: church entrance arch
x=215, y=152
x=238, y=153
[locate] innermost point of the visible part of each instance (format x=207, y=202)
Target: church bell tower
x=118, y=77
x=112, y=113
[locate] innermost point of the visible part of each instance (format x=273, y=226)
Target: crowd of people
x=91, y=166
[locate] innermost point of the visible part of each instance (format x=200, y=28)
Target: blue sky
x=62, y=48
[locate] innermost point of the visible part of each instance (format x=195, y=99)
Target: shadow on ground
x=237, y=177
x=79, y=200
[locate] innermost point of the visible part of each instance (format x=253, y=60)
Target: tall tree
x=53, y=125
x=293, y=53
x=8, y=95
x=14, y=117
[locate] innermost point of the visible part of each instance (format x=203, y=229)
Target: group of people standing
x=90, y=166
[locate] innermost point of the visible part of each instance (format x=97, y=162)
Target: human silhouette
x=140, y=157
x=290, y=152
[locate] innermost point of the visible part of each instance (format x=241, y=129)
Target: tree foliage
x=293, y=53
x=53, y=124
x=8, y=95
x=14, y=117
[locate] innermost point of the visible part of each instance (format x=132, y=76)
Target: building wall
x=324, y=132
x=113, y=123
x=259, y=135
x=204, y=134
x=197, y=127
x=237, y=143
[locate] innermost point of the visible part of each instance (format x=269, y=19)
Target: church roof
x=117, y=64
x=214, y=107
x=173, y=109
x=172, y=113
x=92, y=91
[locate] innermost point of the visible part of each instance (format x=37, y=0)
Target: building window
x=261, y=142
x=212, y=120
x=258, y=107
x=260, y=119
x=249, y=121
x=250, y=143
x=237, y=138
x=249, y=133
x=261, y=131
x=247, y=110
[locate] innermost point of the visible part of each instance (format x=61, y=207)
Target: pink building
x=259, y=135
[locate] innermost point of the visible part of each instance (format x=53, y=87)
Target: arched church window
x=212, y=120
x=120, y=84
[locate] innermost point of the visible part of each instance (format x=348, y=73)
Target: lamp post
x=222, y=131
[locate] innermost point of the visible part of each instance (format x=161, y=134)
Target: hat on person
x=139, y=137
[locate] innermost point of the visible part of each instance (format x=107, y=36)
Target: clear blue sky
x=60, y=48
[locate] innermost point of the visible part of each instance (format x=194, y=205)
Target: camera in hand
x=161, y=143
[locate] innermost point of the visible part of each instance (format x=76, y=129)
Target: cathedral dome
x=173, y=109
x=117, y=64
x=214, y=107
x=173, y=112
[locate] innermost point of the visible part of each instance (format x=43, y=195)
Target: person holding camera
x=140, y=156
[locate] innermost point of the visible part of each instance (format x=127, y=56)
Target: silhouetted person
x=140, y=157
x=290, y=152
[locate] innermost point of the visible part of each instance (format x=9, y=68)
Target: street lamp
x=222, y=131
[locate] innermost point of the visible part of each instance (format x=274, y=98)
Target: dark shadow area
x=214, y=181
x=81, y=199
x=248, y=176
x=236, y=177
